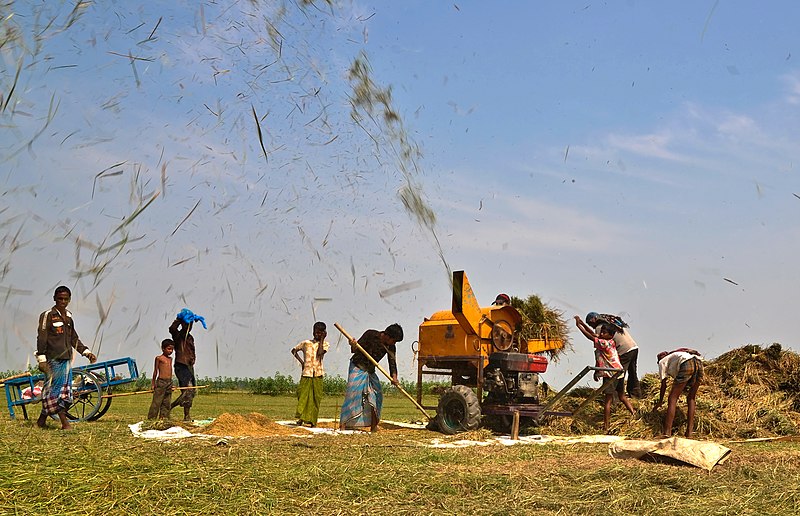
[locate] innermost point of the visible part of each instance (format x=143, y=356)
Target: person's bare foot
x=66, y=427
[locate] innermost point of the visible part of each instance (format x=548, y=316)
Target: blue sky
x=626, y=157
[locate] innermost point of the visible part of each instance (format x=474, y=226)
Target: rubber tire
x=458, y=410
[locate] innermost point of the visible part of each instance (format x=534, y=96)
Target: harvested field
x=273, y=475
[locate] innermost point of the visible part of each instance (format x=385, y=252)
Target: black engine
x=512, y=377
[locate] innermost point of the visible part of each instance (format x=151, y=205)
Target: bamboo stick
x=150, y=391
x=21, y=375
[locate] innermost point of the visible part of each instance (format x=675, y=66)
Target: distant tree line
x=279, y=384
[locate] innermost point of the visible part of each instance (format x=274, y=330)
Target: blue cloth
x=57, y=391
x=186, y=316
x=599, y=319
x=362, y=397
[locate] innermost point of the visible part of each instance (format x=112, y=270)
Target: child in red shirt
x=605, y=353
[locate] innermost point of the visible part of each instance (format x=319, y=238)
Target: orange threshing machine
x=494, y=372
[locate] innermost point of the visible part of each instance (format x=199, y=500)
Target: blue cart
x=91, y=388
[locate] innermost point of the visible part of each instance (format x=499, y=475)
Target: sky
x=629, y=157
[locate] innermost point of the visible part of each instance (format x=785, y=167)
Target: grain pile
x=250, y=425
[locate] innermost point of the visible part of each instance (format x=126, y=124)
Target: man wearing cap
x=363, y=397
x=502, y=300
x=55, y=340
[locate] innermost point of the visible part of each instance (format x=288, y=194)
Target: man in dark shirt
x=55, y=340
x=364, y=396
x=184, y=364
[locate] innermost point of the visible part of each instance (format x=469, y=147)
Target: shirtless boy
x=162, y=382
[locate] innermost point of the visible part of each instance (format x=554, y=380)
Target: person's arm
x=661, y=393
x=295, y=351
x=587, y=332
x=392, y=355
x=322, y=348
x=174, y=330
x=41, y=343
x=362, y=341
x=155, y=374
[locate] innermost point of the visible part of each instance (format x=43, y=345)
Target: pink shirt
x=605, y=355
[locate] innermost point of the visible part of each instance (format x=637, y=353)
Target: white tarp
x=703, y=454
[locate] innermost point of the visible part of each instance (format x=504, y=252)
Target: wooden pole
x=354, y=343
x=515, y=426
x=21, y=375
x=149, y=391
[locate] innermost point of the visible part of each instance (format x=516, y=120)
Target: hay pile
x=751, y=392
x=251, y=425
x=748, y=392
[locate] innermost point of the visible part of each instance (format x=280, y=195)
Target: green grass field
x=100, y=468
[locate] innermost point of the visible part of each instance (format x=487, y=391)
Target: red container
x=518, y=362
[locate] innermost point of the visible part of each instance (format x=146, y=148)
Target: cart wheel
x=86, y=398
x=458, y=411
x=106, y=404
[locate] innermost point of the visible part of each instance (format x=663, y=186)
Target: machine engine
x=513, y=377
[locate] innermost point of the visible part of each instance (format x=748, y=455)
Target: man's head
x=502, y=300
x=320, y=330
x=394, y=332
x=167, y=346
x=661, y=355
x=591, y=319
x=62, y=296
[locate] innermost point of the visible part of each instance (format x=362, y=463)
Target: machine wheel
x=458, y=411
x=86, y=399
